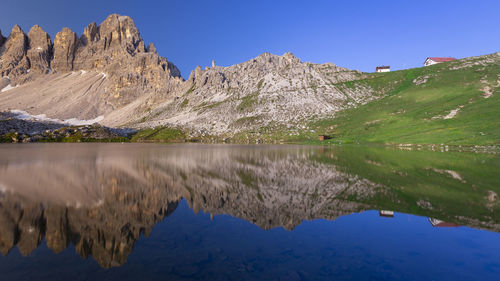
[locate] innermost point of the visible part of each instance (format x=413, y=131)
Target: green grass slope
x=417, y=104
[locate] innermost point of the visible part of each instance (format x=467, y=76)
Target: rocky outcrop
x=65, y=45
x=40, y=50
x=2, y=39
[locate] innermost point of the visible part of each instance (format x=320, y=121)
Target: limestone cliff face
x=64, y=50
x=115, y=47
x=13, y=60
x=39, y=51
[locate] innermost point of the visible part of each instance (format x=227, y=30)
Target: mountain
x=108, y=74
x=266, y=90
x=105, y=69
x=453, y=103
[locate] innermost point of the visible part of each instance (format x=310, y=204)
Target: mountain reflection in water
x=102, y=197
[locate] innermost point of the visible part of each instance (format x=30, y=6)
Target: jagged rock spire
x=151, y=48
x=90, y=34
x=65, y=45
x=14, y=53
x=39, y=50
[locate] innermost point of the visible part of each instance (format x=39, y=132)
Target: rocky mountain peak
x=16, y=31
x=90, y=34
x=291, y=57
x=13, y=60
x=268, y=89
x=268, y=62
x=114, y=68
x=116, y=30
x=152, y=48
x=40, y=49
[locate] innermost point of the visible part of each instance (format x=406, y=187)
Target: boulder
x=4, y=82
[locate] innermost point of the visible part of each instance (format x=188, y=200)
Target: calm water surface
x=227, y=212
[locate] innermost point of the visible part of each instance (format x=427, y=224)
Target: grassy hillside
x=419, y=106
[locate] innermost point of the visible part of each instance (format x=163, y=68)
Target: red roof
x=437, y=59
x=383, y=67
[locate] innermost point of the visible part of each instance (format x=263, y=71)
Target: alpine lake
x=247, y=212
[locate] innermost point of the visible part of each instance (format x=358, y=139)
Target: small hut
x=323, y=137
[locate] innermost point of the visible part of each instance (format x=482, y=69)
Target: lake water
x=230, y=212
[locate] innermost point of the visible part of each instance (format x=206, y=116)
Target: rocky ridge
x=109, y=71
x=267, y=90
x=113, y=52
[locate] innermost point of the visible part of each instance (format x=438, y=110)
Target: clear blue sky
x=354, y=34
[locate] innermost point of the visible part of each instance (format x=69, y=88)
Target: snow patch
x=78, y=122
x=104, y=75
x=83, y=72
x=8, y=87
x=23, y=115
